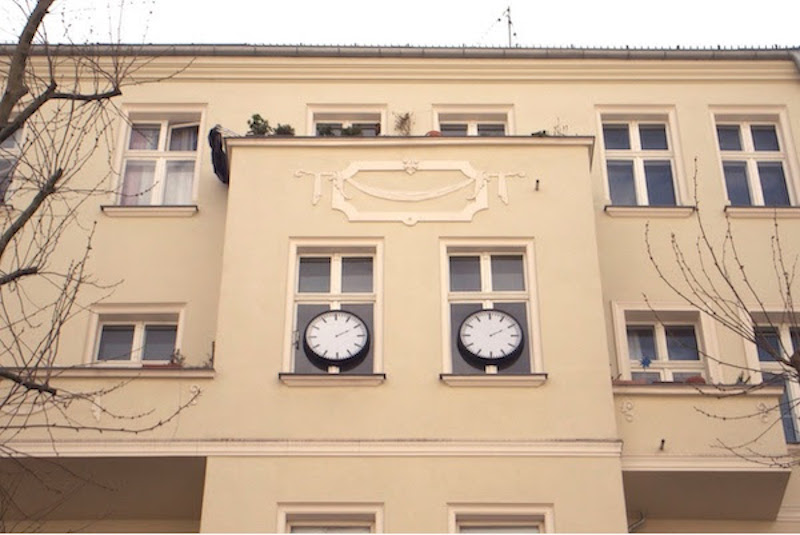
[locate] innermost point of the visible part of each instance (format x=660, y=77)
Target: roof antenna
x=507, y=15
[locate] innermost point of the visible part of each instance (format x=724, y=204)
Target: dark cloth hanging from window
x=218, y=157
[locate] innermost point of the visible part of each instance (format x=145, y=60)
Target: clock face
x=490, y=337
x=336, y=337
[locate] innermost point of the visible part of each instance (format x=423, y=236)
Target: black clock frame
x=343, y=364
x=481, y=362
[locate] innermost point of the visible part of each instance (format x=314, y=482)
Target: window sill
x=332, y=379
x=531, y=380
x=186, y=210
x=763, y=212
x=688, y=389
x=131, y=372
x=649, y=211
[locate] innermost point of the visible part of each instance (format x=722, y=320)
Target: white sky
x=619, y=23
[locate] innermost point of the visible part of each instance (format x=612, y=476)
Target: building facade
x=441, y=305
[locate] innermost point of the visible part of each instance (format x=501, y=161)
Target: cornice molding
x=610, y=448
x=697, y=390
x=410, y=141
x=696, y=463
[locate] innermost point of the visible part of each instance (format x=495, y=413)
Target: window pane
x=615, y=137
x=178, y=182
x=641, y=342
x=736, y=183
x=138, y=182
x=728, y=136
x=116, y=342
x=681, y=343
x=491, y=130
x=6, y=170
x=453, y=129
x=765, y=137
x=357, y=274
x=681, y=377
x=368, y=129
x=144, y=137
x=620, y=183
x=12, y=141
x=795, y=335
x=653, y=136
x=465, y=274
x=660, y=189
x=315, y=275
x=183, y=138
x=786, y=405
x=159, y=342
x=648, y=377
x=767, y=338
x=773, y=184
x=507, y=273
x=329, y=129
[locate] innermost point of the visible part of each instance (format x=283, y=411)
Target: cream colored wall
x=414, y=492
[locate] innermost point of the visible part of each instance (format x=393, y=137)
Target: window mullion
x=162, y=137
x=336, y=274
x=486, y=272
x=639, y=181
x=138, y=342
x=754, y=182
x=159, y=178
x=661, y=342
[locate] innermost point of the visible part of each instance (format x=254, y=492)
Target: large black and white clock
x=490, y=337
x=336, y=338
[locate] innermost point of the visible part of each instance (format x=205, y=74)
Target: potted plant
x=284, y=130
x=258, y=126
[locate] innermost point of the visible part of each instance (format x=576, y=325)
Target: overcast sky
x=618, y=23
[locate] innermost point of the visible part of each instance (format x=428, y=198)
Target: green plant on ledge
x=352, y=131
x=259, y=126
x=284, y=130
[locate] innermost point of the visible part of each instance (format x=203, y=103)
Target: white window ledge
x=130, y=372
x=332, y=379
x=649, y=211
x=763, y=212
x=687, y=389
x=532, y=380
x=183, y=210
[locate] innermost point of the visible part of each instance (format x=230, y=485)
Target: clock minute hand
x=341, y=333
x=496, y=332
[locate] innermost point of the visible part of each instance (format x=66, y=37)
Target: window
x=640, y=162
x=10, y=150
x=499, y=518
x=467, y=123
x=335, y=279
x=345, y=121
x=663, y=344
x=330, y=518
x=496, y=281
x=160, y=160
x=780, y=341
x=137, y=339
x=753, y=162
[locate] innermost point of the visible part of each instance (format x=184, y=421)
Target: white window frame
x=658, y=315
x=336, y=250
x=744, y=118
x=169, y=117
x=140, y=316
x=473, y=116
x=775, y=318
x=500, y=515
x=485, y=249
x=366, y=515
x=347, y=115
x=634, y=117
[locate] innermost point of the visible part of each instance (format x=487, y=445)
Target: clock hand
x=496, y=332
x=341, y=333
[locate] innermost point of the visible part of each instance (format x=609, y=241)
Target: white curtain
x=138, y=182
x=178, y=182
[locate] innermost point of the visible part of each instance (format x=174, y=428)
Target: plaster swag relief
x=473, y=182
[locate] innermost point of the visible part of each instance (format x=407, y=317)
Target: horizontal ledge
x=303, y=447
x=383, y=141
x=113, y=210
x=649, y=211
x=129, y=372
x=332, y=379
x=685, y=389
x=533, y=379
x=763, y=212
x=696, y=463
